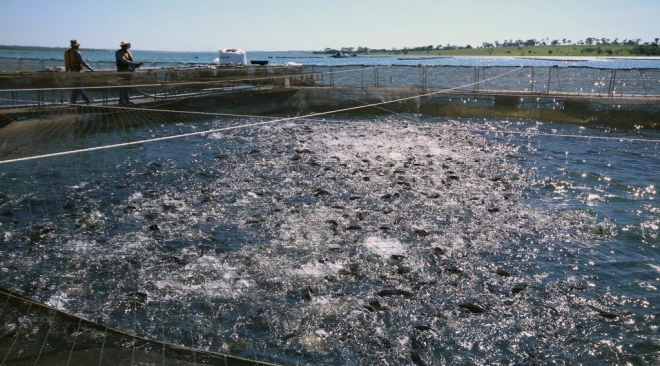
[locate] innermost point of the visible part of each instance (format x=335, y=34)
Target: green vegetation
x=520, y=51
x=531, y=47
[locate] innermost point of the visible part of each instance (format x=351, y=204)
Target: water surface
x=390, y=240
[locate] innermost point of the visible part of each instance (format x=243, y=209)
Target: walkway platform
x=623, y=98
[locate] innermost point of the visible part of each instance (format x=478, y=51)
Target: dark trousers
x=79, y=93
x=76, y=93
x=124, y=94
x=124, y=91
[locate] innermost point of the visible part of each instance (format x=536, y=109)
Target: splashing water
x=388, y=241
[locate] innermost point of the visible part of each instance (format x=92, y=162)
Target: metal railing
x=40, y=88
x=53, y=86
x=11, y=64
x=493, y=79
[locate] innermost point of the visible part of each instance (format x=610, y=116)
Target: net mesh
x=186, y=231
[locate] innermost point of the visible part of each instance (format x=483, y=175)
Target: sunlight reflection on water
x=354, y=241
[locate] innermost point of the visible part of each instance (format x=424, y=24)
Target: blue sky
x=279, y=25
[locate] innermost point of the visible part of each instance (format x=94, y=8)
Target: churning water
x=397, y=240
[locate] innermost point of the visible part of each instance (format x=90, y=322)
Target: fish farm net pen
x=330, y=216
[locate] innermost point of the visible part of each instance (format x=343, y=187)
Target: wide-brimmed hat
x=75, y=43
x=124, y=43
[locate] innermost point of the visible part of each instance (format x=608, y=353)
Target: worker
x=124, y=61
x=74, y=62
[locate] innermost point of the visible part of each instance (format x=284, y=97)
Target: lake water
x=345, y=241
x=310, y=58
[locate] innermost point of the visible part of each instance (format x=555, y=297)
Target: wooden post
x=332, y=77
x=476, y=79
x=643, y=74
x=610, y=92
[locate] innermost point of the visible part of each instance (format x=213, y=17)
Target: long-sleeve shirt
x=123, y=64
x=78, y=56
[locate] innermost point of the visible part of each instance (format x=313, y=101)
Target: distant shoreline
x=629, y=51
x=41, y=49
x=541, y=52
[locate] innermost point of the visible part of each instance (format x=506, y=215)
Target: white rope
x=201, y=133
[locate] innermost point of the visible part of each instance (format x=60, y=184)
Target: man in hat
x=74, y=62
x=124, y=61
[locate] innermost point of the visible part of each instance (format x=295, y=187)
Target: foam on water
x=393, y=240
x=384, y=247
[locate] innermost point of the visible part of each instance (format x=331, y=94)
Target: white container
x=232, y=56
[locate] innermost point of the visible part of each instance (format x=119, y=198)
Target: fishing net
x=190, y=231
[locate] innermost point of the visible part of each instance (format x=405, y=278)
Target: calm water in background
x=309, y=58
x=275, y=241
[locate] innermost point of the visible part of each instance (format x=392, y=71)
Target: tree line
x=636, y=47
x=589, y=41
